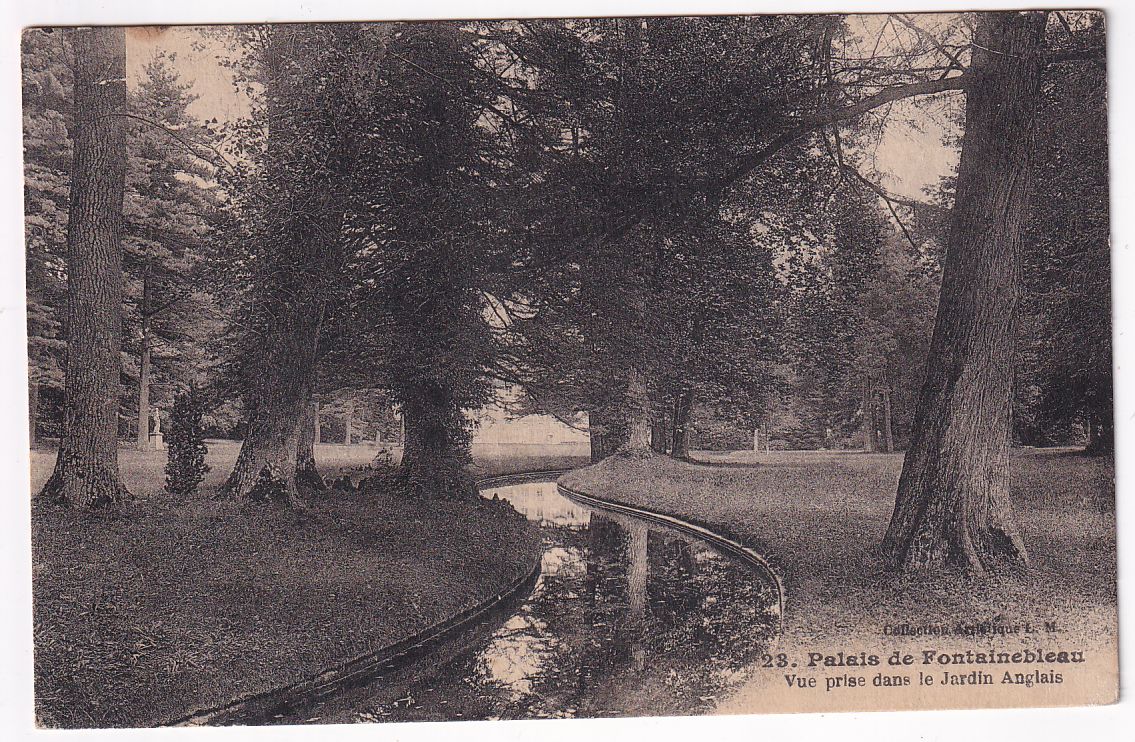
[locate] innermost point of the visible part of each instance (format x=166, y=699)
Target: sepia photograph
x=568, y=367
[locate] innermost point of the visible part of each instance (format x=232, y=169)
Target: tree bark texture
x=683, y=405
x=638, y=414
x=435, y=450
x=33, y=413
x=86, y=470
x=952, y=509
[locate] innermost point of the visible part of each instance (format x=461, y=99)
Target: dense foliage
x=185, y=443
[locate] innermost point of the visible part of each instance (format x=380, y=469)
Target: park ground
x=168, y=606
x=819, y=517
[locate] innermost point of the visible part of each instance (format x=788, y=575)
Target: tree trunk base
x=309, y=481
x=937, y=536
x=262, y=481
x=85, y=484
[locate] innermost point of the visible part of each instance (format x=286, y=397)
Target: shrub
x=186, y=467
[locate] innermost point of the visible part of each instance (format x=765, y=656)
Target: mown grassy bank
x=160, y=608
x=820, y=516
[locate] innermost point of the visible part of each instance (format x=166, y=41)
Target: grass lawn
x=819, y=517
x=162, y=607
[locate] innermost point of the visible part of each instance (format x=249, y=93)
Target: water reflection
x=625, y=619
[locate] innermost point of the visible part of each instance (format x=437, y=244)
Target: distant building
x=495, y=427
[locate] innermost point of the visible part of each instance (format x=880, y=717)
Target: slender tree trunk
x=144, y=384
x=683, y=404
x=349, y=421
x=307, y=473
x=86, y=469
x=658, y=435
x=888, y=437
x=1101, y=434
x=870, y=442
x=952, y=509
x=318, y=437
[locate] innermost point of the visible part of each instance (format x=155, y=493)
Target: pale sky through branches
x=909, y=157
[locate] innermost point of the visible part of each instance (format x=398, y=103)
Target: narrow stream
x=626, y=619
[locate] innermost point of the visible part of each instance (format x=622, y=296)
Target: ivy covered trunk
x=607, y=430
x=952, y=509
x=283, y=397
x=308, y=164
x=435, y=453
x=86, y=469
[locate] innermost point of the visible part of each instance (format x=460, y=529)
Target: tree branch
x=954, y=61
x=1090, y=54
x=888, y=199
x=751, y=161
x=189, y=146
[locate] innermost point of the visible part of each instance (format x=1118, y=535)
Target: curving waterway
x=626, y=618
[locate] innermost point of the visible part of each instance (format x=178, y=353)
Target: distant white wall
x=494, y=427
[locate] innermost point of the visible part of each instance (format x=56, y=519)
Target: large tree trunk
x=683, y=405
x=86, y=470
x=309, y=158
x=435, y=452
x=638, y=415
x=952, y=509
x=607, y=431
x=284, y=394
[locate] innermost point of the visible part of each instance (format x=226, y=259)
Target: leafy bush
x=186, y=467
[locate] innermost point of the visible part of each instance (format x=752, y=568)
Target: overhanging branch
x=751, y=161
